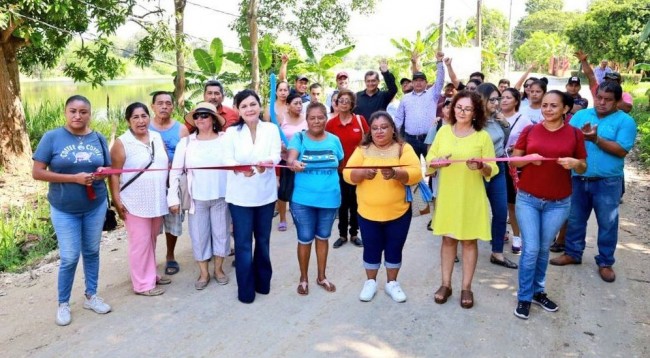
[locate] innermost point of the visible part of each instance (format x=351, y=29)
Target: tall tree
x=533, y=6
x=611, y=29
x=179, y=41
x=494, y=37
x=33, y=34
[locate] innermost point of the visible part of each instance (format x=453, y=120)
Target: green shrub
x=634, y=78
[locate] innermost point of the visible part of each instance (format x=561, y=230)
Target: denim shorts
x=312, y=222
x=173, y=223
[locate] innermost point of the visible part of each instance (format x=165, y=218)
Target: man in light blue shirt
x=417, y=110
x=601, y=71
x=609, y=134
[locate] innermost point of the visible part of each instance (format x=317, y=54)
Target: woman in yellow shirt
x=384, y=213
x=462, y=207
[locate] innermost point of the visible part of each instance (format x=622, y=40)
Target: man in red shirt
x=213, y=93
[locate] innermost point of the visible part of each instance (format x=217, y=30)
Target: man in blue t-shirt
x=171, y=132
x=609, y=134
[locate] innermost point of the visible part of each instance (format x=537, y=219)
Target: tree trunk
x=15, y=150
x=255, y=60
x=179, y=80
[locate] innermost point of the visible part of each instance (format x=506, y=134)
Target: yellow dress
x=462, y=207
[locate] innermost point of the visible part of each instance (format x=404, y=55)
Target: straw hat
x=204, y=107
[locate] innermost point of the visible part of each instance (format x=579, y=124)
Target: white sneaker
x=96, y=304
x=368, y=291
x=63, y=317
x=516, y=245
x=395, y=292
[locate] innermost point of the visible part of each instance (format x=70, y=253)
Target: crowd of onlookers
x=542, y=160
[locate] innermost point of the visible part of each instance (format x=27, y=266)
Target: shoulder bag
x=419, y=195
x=110, y=221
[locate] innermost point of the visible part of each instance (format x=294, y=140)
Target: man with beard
x=171, y=132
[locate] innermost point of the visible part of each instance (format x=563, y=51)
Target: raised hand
x=581, y=55
x=284, y=58
x=440, y=55
x=383, y=65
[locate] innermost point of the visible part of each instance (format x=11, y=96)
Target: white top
x=261, y=188
x=203, y=184
x=517, y=124
x=146, y=196
x=533, y=115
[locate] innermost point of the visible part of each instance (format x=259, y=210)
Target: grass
x=26, y=235
x=641, y=114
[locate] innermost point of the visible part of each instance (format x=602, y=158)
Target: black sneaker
x=545, y=302
x=523, y=310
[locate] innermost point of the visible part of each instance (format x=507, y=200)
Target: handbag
x=183, y=191
x=420, y=197
x=287, y=178
x=110, y=220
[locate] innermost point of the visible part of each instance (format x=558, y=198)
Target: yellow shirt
x=380, y=199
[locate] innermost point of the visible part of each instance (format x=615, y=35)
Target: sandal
x=466, y=299
x=303, y=288
x=163, y=281
x=172, y=267
x=199, y=285
x=328, y=286
x=282, y=226
x=443, y=292
x=505, y=263
x=557, y=247
x=152, y=292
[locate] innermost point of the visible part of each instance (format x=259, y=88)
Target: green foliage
x=325, y=20
x=460, y=35
x=26, y=234
x=210, y=64
x=540, y=47
x=320, y=67
x=424, y=48
x=549, y=21
x=612, y=29
x=633, y=78
x=494, y=37
x=533, y=6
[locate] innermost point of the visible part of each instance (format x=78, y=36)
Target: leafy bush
x=634, y=78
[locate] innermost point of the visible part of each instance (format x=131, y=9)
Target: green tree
x=321, y=66
x=34, y=34
x=540, y=47
x=460, y=35
x=533, y=6
x=612, y=29
x=494, y=37
x=549, y=21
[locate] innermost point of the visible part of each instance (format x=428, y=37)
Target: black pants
x=348, y=209
x=417, y=142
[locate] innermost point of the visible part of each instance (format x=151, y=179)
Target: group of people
x=352, y=160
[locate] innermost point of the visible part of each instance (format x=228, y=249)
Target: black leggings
x=348, y=209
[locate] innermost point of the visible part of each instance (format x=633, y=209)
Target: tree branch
x=6, y=34
x=159, y=11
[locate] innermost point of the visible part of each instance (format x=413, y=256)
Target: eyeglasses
x=343, y=101
x=201, y=115
x=495, y=99
x=380, y=129
x=464, y=110
x=526, y=85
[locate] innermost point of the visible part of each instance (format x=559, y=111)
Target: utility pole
x=509, y=54
x=255, y=59
x=479, y=26
x=441, y=28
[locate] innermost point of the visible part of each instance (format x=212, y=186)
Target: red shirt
x=349, y=134
x=229, y=114
x=549, y=180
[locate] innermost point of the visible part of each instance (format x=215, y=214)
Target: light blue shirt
x=600, y=73
x=318, y=184
x=618, y=127
x=417, y=111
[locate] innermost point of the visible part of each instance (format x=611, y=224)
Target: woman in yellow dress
x=462, y=207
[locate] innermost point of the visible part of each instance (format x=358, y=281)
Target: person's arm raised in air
x=452, y=74
x=389, y=78
x=523, y=77
x=588, y=71
x=282, y=76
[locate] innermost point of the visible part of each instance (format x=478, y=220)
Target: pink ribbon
x=525, y=158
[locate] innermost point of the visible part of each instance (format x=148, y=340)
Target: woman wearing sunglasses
x=208, y=214
x=140, y=148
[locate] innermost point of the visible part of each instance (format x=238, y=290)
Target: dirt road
x=596, y=319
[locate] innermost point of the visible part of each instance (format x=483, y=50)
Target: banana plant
x=424, y=47
x=319, y=67
x=210, y=64
x=243, y=59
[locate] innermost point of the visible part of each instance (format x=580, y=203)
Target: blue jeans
x=312, y=222
x=78, y=234
x=384, y=236
x=603, y=196
x=497, y=193
x=539, y=221
x=253, y=269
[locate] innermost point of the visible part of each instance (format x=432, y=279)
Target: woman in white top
x=140, y=197
x=533, y=111
x=209, y=219
x=510, y=104
x=251, y=193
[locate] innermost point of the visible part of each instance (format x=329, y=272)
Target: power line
x=213, y=9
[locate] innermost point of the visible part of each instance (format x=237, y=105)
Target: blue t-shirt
x=618, y=127
x=170, y=137
x=318, y=184
x=66, y=153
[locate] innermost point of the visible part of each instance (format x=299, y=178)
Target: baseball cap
x=574, y=79
x=401, y=82
x=613, y=76
x=342, y=74
x=421, y=75
x=302, y=77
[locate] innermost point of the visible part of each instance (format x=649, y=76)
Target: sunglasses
x=201, y=115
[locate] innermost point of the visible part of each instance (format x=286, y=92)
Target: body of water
x=120, y=93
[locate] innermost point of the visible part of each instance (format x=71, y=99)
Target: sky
x=371, y=34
